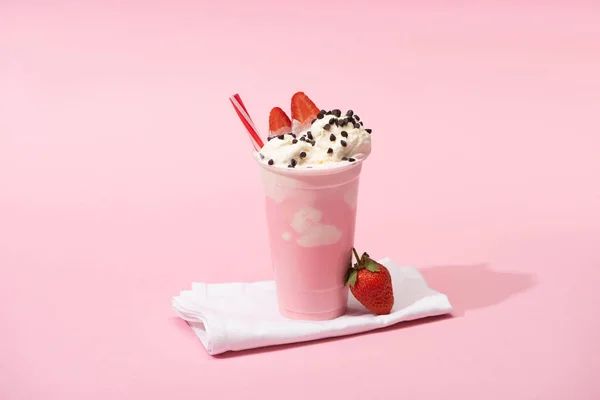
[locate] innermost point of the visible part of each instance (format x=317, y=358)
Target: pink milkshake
x=311, y=216
x=311, y=176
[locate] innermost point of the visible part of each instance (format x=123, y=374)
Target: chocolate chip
x=280, y=137
x=356, y=117
x=293, y=162
x=271, y=162
x=350, y=113
x=302, y=154
x=369, y=130
x=331, y=121
x=313, y=142
x=329, y=150
x=343, y=143
x=343, y=122
x=351, y=159
x=320, y=115
x=344, y=158
x=269, y=138
x=293, y=135
x=313, y=121
x=329, y=112
x=323, y=112
x=327, y=127
x=309, y=135
x=294, y=141
x=262, y=157
x=332, y=137
x=336, y=112
x=303, y=138
x=344, y=134
x=356, y=125
x=361, y=123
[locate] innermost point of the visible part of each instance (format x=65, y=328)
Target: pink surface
x=485, y=175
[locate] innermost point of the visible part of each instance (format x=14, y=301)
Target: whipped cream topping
x=330, y=140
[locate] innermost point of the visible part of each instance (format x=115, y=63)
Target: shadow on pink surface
x=471, y=287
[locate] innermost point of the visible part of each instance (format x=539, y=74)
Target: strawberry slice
x=279, y=122
x=303, y=109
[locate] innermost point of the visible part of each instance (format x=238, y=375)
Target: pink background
x=485, y=175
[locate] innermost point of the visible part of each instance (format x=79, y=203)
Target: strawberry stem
x=356, y=255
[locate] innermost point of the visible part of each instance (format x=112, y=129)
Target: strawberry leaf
x=352, y=277
x=372, y=266
x=364, y=258
x=348, y=272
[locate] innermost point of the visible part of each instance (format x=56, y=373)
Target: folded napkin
x=239, y=316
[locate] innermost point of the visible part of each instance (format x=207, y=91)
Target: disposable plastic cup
x=311, y=217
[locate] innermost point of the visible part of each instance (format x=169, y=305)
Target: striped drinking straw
x=241, y=111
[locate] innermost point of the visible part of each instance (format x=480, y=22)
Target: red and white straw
x=241, y=111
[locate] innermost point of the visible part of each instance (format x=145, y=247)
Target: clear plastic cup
x=311, y=216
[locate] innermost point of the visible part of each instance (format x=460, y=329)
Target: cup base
x=313, y=316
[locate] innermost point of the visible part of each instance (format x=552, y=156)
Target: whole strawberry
x=371, y=284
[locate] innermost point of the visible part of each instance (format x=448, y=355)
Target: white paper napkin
x=239, y=316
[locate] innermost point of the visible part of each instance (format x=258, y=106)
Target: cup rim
x=309, y=171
